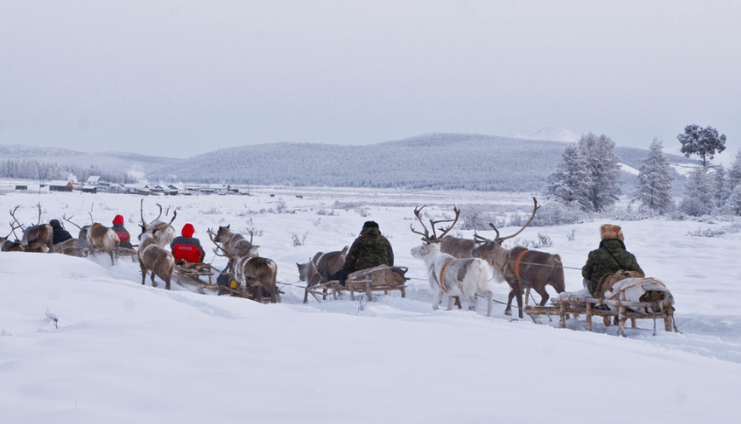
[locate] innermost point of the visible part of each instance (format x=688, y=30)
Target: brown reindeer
x=154, y=258
x=36, y=238
x=234, y=245
x=457, y=247
x=7, y=245
x=164, y=232
x=257, y=276
x=520, y=267
x=97, y=237
x=319, y=268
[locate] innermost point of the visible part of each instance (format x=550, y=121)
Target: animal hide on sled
x=641, y=290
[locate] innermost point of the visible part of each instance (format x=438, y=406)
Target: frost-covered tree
x=699, y=195
x=720, y=187
x=571, y=181
x=734, y=174
x=734, y=201
x=655, y=181
x=602, y=170
x=701, y=141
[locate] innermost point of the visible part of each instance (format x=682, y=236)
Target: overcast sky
x=180, y=78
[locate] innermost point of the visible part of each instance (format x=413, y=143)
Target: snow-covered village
x=366, y=212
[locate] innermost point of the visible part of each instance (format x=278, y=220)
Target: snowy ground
x=125, y=353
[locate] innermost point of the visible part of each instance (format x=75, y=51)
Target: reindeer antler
x=12, y=230
x=426, y=235
x=216, y=251
x=38, y=205
x=501, y=239
x=64, y=217
x=445, y=230
x=12, y=213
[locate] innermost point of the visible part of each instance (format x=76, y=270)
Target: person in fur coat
x=608, y=259
x=368, y=250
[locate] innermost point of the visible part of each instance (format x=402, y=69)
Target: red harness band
x=442, y=272
x=517, y=263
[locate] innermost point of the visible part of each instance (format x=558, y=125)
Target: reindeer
x=36, y=238
x=154, y=258
x=319, y=268
x=256, y=274
x=520, y=267
x=7, y=245
x=457, y=247
x=458, y=277
x=233, y=244
x=253, y=273
x=97, y=237
x=164, y=232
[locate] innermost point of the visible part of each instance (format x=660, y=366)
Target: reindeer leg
x=154, y=283
x=451, y=299
x=519, y=297
x=437, y=299
x=144, y=273
x=543, y=295
x=508, y=309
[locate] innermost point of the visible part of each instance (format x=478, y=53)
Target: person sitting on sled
x=186, y=247
x=368, y=250
x=609, y=258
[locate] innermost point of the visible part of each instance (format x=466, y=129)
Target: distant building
x=60, y=186
x=21, y=187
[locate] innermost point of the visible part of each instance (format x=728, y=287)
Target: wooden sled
x=614, y=308
x=379, y=278
x=194, y=272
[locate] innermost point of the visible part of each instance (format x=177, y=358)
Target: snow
x=629, y=169
x=122, y=352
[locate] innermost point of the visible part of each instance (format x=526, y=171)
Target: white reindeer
x=464, y=278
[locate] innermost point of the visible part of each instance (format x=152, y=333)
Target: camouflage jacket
x=608, y=259
x=368, y=250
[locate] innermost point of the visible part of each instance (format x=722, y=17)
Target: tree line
x=587, y=177
x=43, y=171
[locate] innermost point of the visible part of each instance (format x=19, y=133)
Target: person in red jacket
x=186, y=247
x=123, y=235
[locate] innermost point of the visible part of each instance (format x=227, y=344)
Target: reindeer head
x=492, y=249
x=431, y=243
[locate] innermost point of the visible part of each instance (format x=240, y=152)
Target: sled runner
x=630, y=298
x=379, y=278
x=194, y=272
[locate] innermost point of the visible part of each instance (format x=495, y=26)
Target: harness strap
x=518, y=261
x=442, y=273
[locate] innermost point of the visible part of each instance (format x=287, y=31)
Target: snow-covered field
x=124, y=353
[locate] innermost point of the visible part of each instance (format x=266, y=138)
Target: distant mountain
x=553, y=134
x=443, y=161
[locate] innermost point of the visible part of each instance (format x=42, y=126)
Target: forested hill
x=445, y=161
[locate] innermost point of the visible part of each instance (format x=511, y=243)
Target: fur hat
x=370, y=224
x=608, y=231
x=188, y=230
x=55, y=223
x=118, y=219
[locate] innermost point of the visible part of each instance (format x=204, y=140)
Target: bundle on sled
x=378, y=278
x=620, y=296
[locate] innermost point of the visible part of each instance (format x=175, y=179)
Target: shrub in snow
x=476, y=217
x=556, y=214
